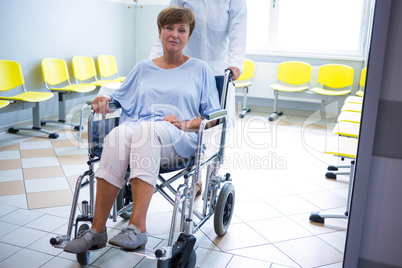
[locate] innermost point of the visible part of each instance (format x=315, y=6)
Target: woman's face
x=174, y=37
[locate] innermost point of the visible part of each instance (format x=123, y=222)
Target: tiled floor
x=277, y=169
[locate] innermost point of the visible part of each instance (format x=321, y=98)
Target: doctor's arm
x=237, y=36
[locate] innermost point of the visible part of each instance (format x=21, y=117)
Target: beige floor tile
x=336, y=239
x=330, y=225
x=159, y=223
x=43, y=172
x=211, y=259
x=325, y=199
x=267, y=253
x=72, y=159
x=72, y=180
x=12, y=188
x=37, y=153
x=74, y=170
x=49, y=199
x=255, y=210
x=64, y=143
x=11, y=147
x=204, y=241
x=310, y=252
x=239, y=235
x=279, y=229
x=10, y=164
x=241, y=262
x=289, y=205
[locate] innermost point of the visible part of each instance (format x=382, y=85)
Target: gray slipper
x=129, y=238
x=89, y=239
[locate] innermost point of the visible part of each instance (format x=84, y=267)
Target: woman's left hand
x=173, y=120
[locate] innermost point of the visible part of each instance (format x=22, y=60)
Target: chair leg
x=275, y=113
x=62, y=112
x=333, y=171
x=320, y=217
x=245, y=109
x=36, y=124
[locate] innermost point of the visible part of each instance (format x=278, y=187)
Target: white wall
x=33, y=30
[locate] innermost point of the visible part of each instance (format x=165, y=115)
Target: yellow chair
x=352, y=107
x=108, y=68
x=293, y=76
x=347, y=129
x=347, y=116
x=345, y=148
x=85, y=72
x=244, y=81
x=57, y=79
x=11, y=77
x=360, y=92
x=4, y=103
x=354, y=99
x=334, y=80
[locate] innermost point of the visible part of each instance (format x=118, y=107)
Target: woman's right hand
x=101, y=104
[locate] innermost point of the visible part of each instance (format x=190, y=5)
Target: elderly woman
x=162, y=100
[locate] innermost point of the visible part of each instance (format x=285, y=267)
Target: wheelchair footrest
x=144, y=252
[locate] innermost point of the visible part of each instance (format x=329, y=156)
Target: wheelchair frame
x=180, y=253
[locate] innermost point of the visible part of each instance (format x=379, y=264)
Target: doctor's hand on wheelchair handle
x=101, y=104
x=235, y=72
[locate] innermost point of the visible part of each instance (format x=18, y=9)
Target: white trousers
x=145, y=147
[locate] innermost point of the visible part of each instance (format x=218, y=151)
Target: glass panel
x=258, y=24
x=320, y=26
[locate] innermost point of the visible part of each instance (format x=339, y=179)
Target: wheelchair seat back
x=98, y=129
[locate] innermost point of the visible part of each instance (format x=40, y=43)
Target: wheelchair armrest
x=214, y=114
x=113, y=105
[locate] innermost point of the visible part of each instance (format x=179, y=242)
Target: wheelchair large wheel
x=224, y=209
x=82, y=258
x=176, y=255
x=125, y=197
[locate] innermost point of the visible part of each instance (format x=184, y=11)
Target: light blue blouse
x=150, y=93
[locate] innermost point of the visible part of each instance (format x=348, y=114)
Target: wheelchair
x=218, y=190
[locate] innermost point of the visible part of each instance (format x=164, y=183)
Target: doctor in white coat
x=219, y=38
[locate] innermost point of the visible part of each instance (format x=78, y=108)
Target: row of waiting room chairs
x=344, y=145
x=57, y=80
x=294, y=76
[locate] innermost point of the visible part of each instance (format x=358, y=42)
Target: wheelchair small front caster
x=183, y=254
x=82, y=258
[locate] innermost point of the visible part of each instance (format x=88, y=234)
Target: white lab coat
x=219, y=37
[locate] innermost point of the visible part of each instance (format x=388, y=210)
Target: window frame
x=273, y=50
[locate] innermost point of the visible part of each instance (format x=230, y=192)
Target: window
x=313, y=27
